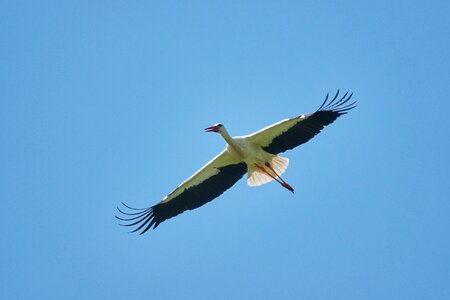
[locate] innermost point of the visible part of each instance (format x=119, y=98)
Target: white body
x=244, y=149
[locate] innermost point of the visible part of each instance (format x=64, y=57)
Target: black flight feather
x=306, y=129
x=189, y=199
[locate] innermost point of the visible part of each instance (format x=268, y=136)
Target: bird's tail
x=256, y=176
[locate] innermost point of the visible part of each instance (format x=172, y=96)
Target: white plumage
x=255, y=154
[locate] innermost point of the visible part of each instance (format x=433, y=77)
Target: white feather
x=256, y=176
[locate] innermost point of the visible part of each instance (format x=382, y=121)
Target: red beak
x=213, y=128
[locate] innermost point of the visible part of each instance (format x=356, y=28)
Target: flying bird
x=255, y=154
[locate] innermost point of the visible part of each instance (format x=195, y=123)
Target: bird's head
x=215, y=128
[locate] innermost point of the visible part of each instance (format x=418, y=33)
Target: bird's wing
x=218, y=175
x=290, y=133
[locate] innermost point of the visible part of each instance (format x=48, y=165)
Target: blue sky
x=106, y=101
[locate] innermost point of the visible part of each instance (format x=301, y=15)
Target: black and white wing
x=290, y=133
x=218, y=175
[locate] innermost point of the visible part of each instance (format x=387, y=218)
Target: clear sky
x=106, y=101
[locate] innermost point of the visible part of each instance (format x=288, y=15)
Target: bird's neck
x=230, y=141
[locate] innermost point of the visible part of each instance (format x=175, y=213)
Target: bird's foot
x=288, y=187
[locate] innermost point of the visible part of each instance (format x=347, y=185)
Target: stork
x=255, y=154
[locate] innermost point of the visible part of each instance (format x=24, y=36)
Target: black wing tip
x=143, y=219
x=339, y=105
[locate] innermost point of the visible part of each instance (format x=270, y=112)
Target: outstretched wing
x=218, y=175
x=290, y=133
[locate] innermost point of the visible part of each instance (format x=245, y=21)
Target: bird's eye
x=220, y=125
